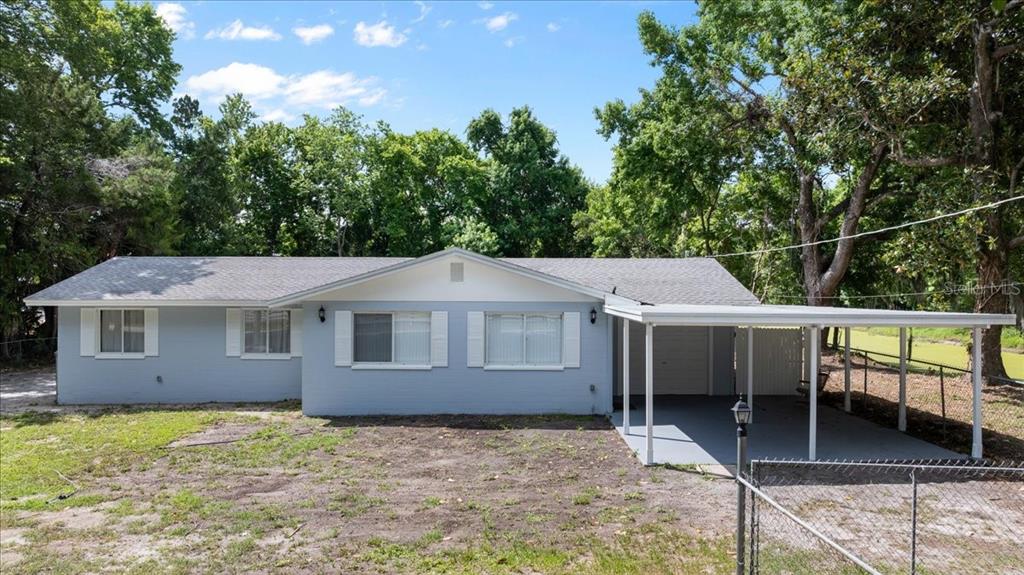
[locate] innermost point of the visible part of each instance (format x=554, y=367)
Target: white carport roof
x=798, y=316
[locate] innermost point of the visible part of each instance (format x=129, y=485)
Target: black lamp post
x=741, y=411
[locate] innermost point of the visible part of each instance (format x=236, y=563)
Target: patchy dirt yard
x=268, y=490
x=928, y=397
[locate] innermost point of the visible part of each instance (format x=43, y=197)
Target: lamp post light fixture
x=741, y=412
x=321, y=314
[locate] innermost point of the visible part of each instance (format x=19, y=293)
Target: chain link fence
x=939, y=402
x=945, y=517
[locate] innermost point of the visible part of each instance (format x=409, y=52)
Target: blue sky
x=418, y=65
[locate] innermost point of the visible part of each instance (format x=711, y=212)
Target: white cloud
x=511, y=42
x=554, y=27
x=285, y=97
x=277, y=115
x=485, y=5
x=424, y=10
x=312, y=34
x=379, y=34
x=326, y=89
x=373, y=97
x=445, y=24
x=255, y=81
x=174, y=17
x=500, y=22
x=239, y=31
x=422, y=47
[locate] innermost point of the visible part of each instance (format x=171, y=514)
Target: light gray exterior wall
x=192, y=364
x=331, y=390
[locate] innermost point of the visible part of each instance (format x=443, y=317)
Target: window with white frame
x=527, y=339
x=266, y=332
x=122, y=331
x=392, y=337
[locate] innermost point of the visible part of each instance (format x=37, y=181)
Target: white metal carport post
x=750, y=371
x=625, y=376
x=976, y=377
x=846, y=369
x=649, y=391
x=902, y=417
x=815, y=341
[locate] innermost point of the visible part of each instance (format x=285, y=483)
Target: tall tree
x=533, y=189
x=66, y=70
x=967, y=88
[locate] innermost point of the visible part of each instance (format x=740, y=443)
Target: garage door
x=680, y=360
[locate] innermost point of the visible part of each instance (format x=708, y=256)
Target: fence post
x=913, y=524
x=942, y=398
x=864, y=400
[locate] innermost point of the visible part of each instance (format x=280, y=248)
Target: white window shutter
x=342, y=338
x=87, y=332
x=475, y=339
x=439, y=338
x=233, y=343
x=296, y=330
x=152, y=327
x=571, y=339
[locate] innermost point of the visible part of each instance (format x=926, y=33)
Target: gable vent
x=457, y=271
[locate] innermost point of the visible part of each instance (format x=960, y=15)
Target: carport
x=682, y=427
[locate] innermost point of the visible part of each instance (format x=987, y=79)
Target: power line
x=957, y=290
x=872, y=232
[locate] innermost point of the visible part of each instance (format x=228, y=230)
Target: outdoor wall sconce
x=322, y=314
x=593, y=315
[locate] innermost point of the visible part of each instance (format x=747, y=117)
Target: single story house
x=449, y=332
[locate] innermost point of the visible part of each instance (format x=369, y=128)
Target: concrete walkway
x=701, y=430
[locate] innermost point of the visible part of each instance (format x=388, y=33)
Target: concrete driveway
x=28, y=390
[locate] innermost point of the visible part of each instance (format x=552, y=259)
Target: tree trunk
x=993, y=244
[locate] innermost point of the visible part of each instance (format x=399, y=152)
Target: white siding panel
x=475, y=339
x=439, y=338
x=571, y=339
x=152, y=339
x=777, y=361
x=233, y=332
x=343, y=338
x=87, y=332
x=296, y=331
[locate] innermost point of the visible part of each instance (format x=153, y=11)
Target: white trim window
x=122, y=333
x=266, y=333
x=523, y=340
x=391, y=339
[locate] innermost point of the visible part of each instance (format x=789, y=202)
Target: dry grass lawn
x=268, y=490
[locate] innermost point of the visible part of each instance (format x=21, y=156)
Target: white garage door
x=680, y=360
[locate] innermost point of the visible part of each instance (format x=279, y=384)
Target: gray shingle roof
x=260, y=279
x=695, y=281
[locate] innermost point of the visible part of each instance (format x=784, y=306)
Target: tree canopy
x=771, y=124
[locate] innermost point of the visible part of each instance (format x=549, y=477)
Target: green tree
x=206, y=201
x=67, y=70
x=533, y=190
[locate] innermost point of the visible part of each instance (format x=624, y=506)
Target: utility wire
x=872, y=232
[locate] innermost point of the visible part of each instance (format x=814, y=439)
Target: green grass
x=879, y=340
x=40, y=447
x=1012, y=339
x=650, y=550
